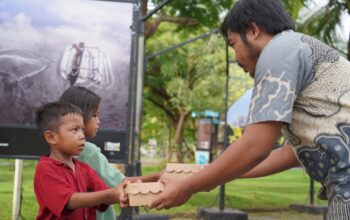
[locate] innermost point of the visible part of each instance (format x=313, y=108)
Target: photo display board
x=48, y=46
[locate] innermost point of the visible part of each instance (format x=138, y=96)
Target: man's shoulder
x=288, y=34
x=285, y=48
x=286, y=40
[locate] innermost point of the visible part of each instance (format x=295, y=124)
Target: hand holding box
x=142, y=194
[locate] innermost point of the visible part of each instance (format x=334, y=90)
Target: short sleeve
x=53, y=190
x=95, y=183
x=281, y=73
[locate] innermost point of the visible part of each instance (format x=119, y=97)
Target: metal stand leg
x=17, y=189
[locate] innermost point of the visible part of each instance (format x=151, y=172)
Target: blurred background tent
x=237, y=114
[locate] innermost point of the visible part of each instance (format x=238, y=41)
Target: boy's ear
x=50, y=137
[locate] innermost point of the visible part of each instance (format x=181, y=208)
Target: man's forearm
x=244, y=154
x=147, y=178
x=279, y=160
x=230, y=165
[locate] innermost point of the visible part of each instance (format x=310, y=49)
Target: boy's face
x=92, y=125
x=69, y=140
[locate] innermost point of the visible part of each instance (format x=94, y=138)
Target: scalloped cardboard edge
x=181, y=170
x=142, y=194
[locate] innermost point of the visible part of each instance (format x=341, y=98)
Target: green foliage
x=153, y=127
x=206, y=12
x=239, y=83
x=293, y=7
x=188, y=78
x=323, y=23
x=198, y=72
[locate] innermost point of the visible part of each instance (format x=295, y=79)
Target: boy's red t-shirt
x=55, y=183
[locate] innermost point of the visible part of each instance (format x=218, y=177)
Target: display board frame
x=22, y=141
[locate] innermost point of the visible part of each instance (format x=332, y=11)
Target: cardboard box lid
x=144, y=188
x=183, y=168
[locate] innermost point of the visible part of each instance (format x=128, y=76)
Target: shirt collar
x=48, y=159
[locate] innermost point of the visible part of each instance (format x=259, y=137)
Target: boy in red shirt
x=66, y=188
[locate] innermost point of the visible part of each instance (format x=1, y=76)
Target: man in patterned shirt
x=302, y=87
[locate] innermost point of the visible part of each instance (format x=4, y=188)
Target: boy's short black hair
x=269, y=15
x=85, y=99
x=48, y=116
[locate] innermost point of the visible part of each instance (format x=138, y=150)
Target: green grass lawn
x=275, y=192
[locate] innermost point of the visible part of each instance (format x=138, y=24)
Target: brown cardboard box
x=142, y=194
x=180, y=170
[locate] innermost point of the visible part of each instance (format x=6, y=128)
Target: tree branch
x=349, y=48
x=188, y=22
x=152, y=26
x=160, y=93
x=144, y=8
x=159, y=105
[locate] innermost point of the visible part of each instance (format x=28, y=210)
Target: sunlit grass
x=273, y=192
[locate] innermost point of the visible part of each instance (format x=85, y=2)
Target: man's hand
x=149, y=178
x=175, y=194
x=133, y=179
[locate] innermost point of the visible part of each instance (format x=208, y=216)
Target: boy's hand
x=121, y=195
x=123, y=200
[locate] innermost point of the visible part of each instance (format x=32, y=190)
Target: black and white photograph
x=48, y=46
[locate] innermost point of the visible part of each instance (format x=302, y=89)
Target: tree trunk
x=170, y=149
x=178, y=140
x=349, y=48
x=144, y=7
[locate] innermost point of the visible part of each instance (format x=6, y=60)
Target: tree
x=189, y=15
x=188, y=78
x=294, y=7
x=172, y=86
x=323, y=23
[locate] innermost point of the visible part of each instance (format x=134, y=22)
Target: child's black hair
x=48, y=116
x=84, y=98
